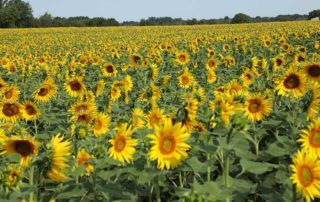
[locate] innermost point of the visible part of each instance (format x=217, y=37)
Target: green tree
x=15, y=13
x=241, y=18
x=314, y=14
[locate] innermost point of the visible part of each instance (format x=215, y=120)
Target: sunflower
x=182, y=57
x=257, y=107
x=75, y=87
x=3, y=85
x=122, y=144
x=247, y=77
x=186, y=79
x=60, y=150
x=83, y=107
x=192, y=107
x=278, y=62
x=100, y=87
x=306, y=174
x=83, y=159
x=83, y=118
x=155, y=117
x=229, y=61
x=14, y=174
x=24, y=146
x=312, y=71
x=10, y=111
x=168, y=145
x=310, y=138
x=11, y=93
x=314, y=102
x=101, y=124
x=109, y=70
x=292, y=83
x=115, y=93
x=135, y=59
x=29, y=111
x=46, y=91
x=212, y=64
x=127, y=83
x=211, y=76
x=235, y=88
x=138, y=118
x=299, y=58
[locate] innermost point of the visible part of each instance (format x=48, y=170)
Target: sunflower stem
x=180, y=179
x=226, y=167
x=208, y=169
x=31, y=183
x=294, y=193
x=158, y=189
x=35, y=127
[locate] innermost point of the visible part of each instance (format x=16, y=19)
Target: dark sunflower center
x=182, y=58
x=109, y=69
x=31, y=110
x=43, y=91
x=10, y=109
x=314, y=138
x=167, y=145
x=254, y=106
x=314, y=70
x=248, y=76
x=75, y=85
x=279, y=62
x=306, y=176
x=185, y=80
x=292, y=81
x=211, y=63
x=136, y=59
x=24, y=147
x=120, y=144
x=8, y=94
x=300, y=58
x=84, y=118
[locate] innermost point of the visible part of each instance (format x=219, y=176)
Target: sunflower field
x=176, y=113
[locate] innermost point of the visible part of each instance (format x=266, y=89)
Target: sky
x=127, y=10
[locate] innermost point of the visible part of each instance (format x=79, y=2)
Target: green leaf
x=257, y=167
x=72, y=192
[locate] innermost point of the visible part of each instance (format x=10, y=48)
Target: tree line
x=18, y=13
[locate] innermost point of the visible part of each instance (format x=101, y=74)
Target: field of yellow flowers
x=187, y=113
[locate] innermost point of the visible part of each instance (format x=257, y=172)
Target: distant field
x=186, y=113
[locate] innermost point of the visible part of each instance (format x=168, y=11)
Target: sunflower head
x=29, y=111
x=122, y=148
x=24, y=146
x=10, y=111
x=306, y=174
x=182, y=57
x=169, y=145
x=312, y=71
x=257, y=107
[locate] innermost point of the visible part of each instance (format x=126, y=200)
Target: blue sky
x=125, y=10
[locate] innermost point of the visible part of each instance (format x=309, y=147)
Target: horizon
x=143, y=9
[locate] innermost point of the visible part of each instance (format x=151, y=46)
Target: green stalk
x=31, y=183
x=158, y=189
x=180, y=179
x=208, y=169
x=226, y=175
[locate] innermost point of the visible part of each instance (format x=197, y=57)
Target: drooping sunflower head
x=11, y=93
x=75, y=87
x=138, y=118
x=278, y=62
x=182, y=57
x=10, y=111
x=135, y=59
x=13, y=175
x=83, y=107
x=169, y=145
x=257, y=107
x=46, y=91
x=155, y=117
x=109, y=70
x=30, y=111
x=312, y=71
x=122, y=148
x=24, y=146
x=306, y=174
x=292, y=83
x=83, y=160
x=60, y=151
